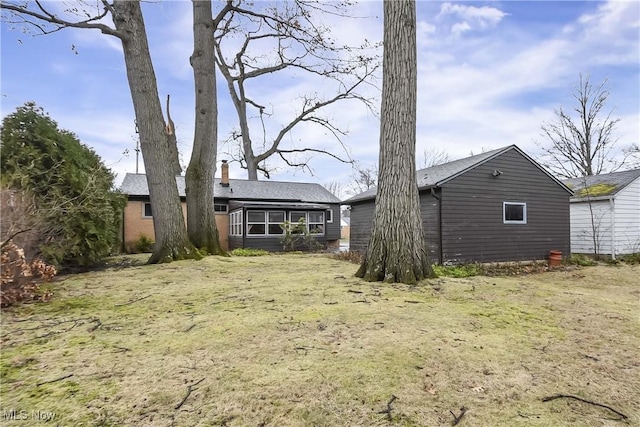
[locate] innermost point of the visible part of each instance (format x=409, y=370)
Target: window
x=256, y=222
x=316, y=222
x=147, y=211
x=329, y=216
x=514, y=213
x=235, y=223
x=274, y=221
x=295, y=217
x=220, y=208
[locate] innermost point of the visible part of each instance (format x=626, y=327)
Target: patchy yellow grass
x=297, y=340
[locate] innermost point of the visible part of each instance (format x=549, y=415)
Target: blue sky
x=489, y=75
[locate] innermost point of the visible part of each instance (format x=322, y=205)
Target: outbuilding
x=605, y=213
x=496, y=206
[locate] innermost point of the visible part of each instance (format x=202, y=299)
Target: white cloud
x=471, y=17
x=460, y=27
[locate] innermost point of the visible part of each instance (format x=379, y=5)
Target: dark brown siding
x=360, y=226
x=430, y=224
x=362, y=218
x=235, y=242
x=472, y=221
x=333, y=228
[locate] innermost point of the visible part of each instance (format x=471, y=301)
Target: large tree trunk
x=172, y=241
x=201, y=222
x=396, y=250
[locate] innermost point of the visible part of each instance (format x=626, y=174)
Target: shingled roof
x=438, y=175
x=601, y=186
x=240, y=189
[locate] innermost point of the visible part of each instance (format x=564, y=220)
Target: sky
x=490, y=73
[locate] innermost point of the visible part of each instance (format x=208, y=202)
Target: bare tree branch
x=285, y=36
x=582, y=145
x=46, y=16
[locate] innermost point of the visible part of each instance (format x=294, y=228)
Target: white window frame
x=144, y=210
x=504, y=213
x=309, y=224
x=235, y=223
x=269, y=222
x=225, y=208
x=330, y=216
x=295, y=223
x=249, y=223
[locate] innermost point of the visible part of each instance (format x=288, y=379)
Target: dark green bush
x=143, y=245
x=77, y=212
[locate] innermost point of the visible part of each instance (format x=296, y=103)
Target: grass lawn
x=297, y=340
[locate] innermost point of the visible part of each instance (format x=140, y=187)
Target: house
x=248, y=213
x=495, y=206
x=605, y=213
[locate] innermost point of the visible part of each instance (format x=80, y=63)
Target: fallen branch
x=190, y=327
x=98, y=323
x=586, y=356
x=49, y=325
x=353, y=291
x=569, y=396
x=132, y=301
x=64, y=377
x=456, y=419
x=389, y=408
x=190, y=389
x=6, y=241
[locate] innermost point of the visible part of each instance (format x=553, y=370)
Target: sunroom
x=261, y=225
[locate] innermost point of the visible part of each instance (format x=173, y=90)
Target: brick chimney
x=224, y=181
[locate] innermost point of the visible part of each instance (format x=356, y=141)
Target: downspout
x=433, y=193
x=613, y=227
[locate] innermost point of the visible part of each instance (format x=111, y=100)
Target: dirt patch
x=297, y=340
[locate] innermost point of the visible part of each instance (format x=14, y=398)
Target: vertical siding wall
x=627, y=219
x=472, y=213
x=585, y=218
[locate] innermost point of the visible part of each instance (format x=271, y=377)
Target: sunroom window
x=256, y=222
x=235, y=223
x=316, y=222
x=275, y=220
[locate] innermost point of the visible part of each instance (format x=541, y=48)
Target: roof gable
x=438, y=175
x=240, y=189
x=601, y=186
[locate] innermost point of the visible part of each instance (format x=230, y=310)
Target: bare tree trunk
x=172, y=142
x=170, y=232
x=397, y=250
x=202, y=166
